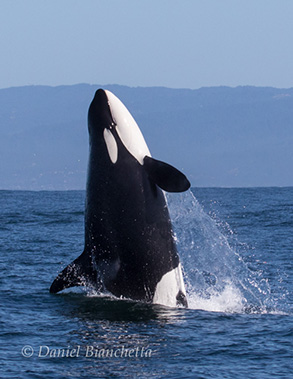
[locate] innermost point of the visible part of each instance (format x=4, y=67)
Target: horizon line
x=135, y=87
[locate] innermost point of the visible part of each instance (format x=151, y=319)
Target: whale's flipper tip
x=75, y=274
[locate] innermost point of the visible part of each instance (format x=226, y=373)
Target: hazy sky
x=180, y=44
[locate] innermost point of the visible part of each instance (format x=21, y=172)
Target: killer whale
x=129, y=247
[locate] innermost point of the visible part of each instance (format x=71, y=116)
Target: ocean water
x=236, y=246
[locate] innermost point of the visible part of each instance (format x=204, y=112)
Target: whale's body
x=129, y=245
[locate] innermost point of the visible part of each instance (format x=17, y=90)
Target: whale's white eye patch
x=111, y=145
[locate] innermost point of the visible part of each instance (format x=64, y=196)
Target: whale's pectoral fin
x=166, y=176
x=77, y=273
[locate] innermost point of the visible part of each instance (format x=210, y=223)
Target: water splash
x=216, y=276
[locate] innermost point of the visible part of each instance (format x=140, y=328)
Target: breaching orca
x=129, y=247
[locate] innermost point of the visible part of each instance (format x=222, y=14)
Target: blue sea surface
x=236, y=247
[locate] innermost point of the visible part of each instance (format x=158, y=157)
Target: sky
x=170, y=43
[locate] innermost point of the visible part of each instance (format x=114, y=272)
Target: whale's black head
x=115, y=134
x=99, y=114
x=110, y=124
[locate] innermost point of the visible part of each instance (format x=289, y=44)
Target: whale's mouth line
x=113, y=123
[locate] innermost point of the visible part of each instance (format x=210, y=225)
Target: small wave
x=230, y=300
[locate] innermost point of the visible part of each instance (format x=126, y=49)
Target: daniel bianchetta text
x=89, y=351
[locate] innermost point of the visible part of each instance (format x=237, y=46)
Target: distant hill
x=218, y=136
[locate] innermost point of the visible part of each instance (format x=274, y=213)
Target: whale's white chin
x=127, y=129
